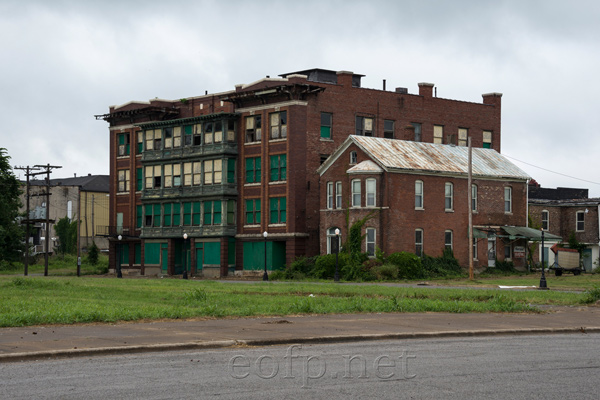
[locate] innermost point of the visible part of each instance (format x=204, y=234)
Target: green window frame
x=212, y=212
x=139, y=179
x=187, y=214
x=176, y=214
x=167, y=217
x=230, y=170
x=253, y=212
x=278, y=167
x=326, y=119
x=188, y=132
x=253, y=171
x=277, y=208
x=196, y=213
x=139, y=216
x=148, y=215
x=123, y=144
x=140, y=142
x=156, y=218
x=230, y=212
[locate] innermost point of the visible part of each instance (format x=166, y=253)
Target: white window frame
x=419, y=243
x=545, y=220
x=577, y=221
x=474, y=190
x=371, y=192
x=449, y=196
x=370, y=241
x=448, y=234
x=353, y=157
x=356, y=192
x=329, y=195
x=419, y=198
x=438, y=134
x=507, y=199
x=338, y=195
x=463, y=133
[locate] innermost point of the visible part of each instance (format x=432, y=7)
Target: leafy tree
x=67, y=236
x=11, y=232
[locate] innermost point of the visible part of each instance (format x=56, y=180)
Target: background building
x=565, y=212
x=89, y=194
x=225, y=168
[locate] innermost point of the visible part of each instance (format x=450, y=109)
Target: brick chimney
x=344, y=78
x=492, y=98
x=426, y=89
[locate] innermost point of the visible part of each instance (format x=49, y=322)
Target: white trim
x=272, y=106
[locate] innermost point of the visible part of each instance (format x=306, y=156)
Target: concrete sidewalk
x=32, y=343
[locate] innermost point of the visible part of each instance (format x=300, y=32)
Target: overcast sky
x=65, y=61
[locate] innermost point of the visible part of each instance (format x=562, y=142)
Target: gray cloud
x=64, y=61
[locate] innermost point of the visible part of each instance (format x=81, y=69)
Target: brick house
x=566, y=211
x=416, y=195
x=224, y=168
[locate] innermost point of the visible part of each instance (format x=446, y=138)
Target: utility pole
x=27, y=170
x=48, y=168
x=79, y=230
x=470, y=199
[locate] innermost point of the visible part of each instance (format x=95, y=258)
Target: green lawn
x=565, y=282
x=65, y=300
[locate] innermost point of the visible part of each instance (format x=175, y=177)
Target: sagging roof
x=407, y=156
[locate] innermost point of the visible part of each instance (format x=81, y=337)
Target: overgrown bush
x=386, y=272
x=324, y=267
x=444, y=266
x=591, y=295
x=409, y=265
x=299, y=269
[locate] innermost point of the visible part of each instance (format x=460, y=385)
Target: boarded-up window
x=438, y=134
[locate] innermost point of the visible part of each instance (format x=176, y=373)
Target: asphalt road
x=505, y=367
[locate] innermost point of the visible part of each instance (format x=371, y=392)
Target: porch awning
x=478, y=234
x=523, y=232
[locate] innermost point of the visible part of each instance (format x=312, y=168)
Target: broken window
x=326, y=124
x=279, y=125
x=123, y=180
x=388, y=129
x=253, y=128
x=364, y=126
x=123, y=140
x=487, y=139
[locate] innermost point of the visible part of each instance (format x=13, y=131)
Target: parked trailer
x=566, y=260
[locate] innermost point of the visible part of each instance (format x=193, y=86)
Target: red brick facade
x=390, y=113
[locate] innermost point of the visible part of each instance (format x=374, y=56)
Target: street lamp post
x=265, y=275
x=184, y=261
x=543, y=285
x=119, y=274
x=336, y=277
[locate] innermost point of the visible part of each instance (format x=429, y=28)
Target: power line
x=554, y=172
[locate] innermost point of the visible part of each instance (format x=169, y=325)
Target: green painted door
x=164, y=257
x=199, y=259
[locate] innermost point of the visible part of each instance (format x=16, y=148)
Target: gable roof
x=428, y=158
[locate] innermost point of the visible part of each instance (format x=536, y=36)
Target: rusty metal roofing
x=365, y=167
x=395, y=155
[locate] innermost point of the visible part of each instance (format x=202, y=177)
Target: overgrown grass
x=49, y=300
x=59, y=265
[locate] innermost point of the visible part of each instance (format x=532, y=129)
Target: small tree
x=67, y=236
x=93, y=253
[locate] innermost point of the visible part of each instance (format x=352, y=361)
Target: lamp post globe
x=119, y=273
x=184, y=261
x=265, y=275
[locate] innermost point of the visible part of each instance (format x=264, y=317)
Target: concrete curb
x=71, y=353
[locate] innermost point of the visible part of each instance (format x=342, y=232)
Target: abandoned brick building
x=224, y=168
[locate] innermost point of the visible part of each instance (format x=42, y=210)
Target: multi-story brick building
x=224, y=168
x=415, y=198
x=567, y=211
